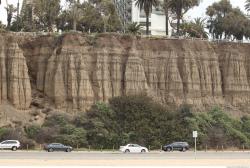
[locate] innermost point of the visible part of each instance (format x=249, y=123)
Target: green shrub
x=3, y=133
x=32, y=131
x=56, y=120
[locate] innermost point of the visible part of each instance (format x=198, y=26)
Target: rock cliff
x=14, y=79
x=73, y=71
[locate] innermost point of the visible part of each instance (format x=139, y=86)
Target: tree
x=75, y=12
x=92, y=16
x=63, y=21
x=166, y=5
x=27, y=17
x=109, y=14
x=180, y=7
x=146, y=5
x=224, y=20
x=247, y=5
x=235, y=24
x=47, y=11
x=10, y=11
x=17, y=24
x=130, y=119
x=87, y=23
x=101, y=126
x=195, y=28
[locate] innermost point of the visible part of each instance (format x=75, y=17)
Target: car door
x=175, y=146
x=137, y=148
x=55, y=147
x=59, y=147
x=62, y=147
x=179, y=146
x=131, y=148
x=3, y=144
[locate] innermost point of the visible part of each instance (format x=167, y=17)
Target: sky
x=199, y=11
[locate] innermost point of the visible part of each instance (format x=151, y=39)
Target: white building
x=157, y=20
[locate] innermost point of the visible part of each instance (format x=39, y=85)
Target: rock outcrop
x=14, y=79
x=75, y=70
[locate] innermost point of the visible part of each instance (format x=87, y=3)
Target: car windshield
x=57, y=144
x=8, y=142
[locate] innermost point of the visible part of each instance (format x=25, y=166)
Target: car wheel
x=50, y=150
x=143, y=151
x=68, y=150
x=14, y=148
x=169, y=149
x=127, y=151
x=184, y=149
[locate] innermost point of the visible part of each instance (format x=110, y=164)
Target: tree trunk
x=75, y=14
x=8, y=21
x=50, y=26
x=167, y=18
x=166, y=7
x=147, y=24
x=74, y=24
x=178, y=24
x=179, y=13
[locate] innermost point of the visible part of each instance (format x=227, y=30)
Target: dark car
x=180, y=146
x=57, y=147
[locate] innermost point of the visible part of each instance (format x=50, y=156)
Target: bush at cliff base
x=136, y=119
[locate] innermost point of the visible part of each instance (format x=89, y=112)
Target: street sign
x=195, y=134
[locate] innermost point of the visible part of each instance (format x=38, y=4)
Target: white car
x=10, y=144
x=134, y=148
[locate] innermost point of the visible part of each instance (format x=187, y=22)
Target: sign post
x=195, y=135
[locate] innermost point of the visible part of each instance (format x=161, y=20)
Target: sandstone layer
x=74, y=70
x=14, y=79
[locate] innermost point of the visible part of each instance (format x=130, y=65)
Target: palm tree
x=134, y=28
x=247, y=5
x=180, y=7
x=196, y=28
x=10, y=9
x=166, y=6
x=75, y=12
x=146, y=5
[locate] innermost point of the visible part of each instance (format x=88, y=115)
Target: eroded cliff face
x=74, y=71
x=14, y=79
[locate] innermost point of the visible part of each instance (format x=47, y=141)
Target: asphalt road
x=117, y=158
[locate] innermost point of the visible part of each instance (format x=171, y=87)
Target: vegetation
x=146, y=6
x=2, y=27
x=134, y=28
x=46, y=12
x=195, y=28
x=96, y=16
x=135, y=119
x=247, y=5
x=10, y=9
x=180, y=7
x=227, y=22
x=140, y=120
x=166, y=6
